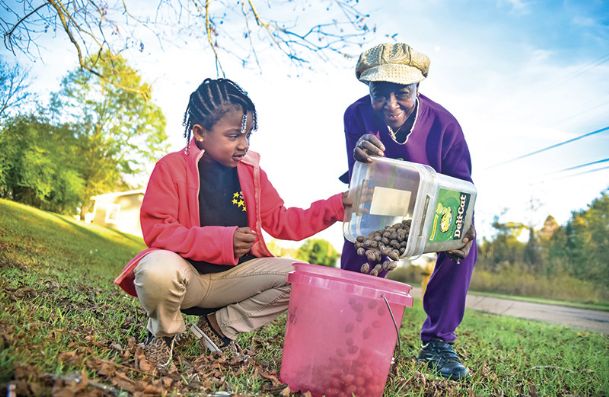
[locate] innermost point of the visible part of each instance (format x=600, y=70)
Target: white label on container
x=389, y=202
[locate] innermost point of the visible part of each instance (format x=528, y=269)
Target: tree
x=37, y=164
x=504, y=248
x=550, y=226
x=116, y=125
x=239, y=29
x=13, y=88
x=317, y=251
x=586, y=242
x=532, y=252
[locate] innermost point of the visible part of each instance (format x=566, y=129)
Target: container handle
x=396, y=356
x=425, y=206
x=357, y=200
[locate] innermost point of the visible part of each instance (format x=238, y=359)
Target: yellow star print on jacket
x=239, y=201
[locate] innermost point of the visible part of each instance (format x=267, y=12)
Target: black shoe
x=441, y=357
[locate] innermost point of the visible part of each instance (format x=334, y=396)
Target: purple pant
x=444, y=300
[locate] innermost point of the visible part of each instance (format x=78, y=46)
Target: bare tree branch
x=209, y=30
x=62, y=17
x=297, y=29
x=248, y=33
x=13, y=88
x=7, y=35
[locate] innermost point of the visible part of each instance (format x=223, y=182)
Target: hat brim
x=398, y=74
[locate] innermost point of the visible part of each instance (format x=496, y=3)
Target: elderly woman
x=396, y=121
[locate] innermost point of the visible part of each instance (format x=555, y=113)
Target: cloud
x=584, y=21
x=519, y=7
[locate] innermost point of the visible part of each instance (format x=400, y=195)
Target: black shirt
x=221, y=203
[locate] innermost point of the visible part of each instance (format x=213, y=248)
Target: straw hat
x=393, y=62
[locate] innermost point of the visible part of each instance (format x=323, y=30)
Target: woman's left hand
x=468, y=241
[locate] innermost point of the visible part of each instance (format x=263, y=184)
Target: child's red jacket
x=170, y=213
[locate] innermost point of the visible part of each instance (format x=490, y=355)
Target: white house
x=119, y=210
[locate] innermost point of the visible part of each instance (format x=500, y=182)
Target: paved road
x=593, y=320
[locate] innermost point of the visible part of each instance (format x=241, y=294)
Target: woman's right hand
x=368, y=145
x=243, y=239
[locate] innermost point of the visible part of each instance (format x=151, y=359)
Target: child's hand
x=243, y=239
x=347, y=201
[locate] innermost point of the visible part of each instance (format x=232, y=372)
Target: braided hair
x=211, y=100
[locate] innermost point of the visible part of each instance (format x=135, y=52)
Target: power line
x=549, y=147
x=567, y=75
x=582, y=173
x=583, y=165
x=589, y=171
x=559, y=177
x=585, y=68
x=593, y=65
x=579, y=114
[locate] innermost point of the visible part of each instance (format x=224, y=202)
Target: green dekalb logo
x=449, y=216
x=460, y=215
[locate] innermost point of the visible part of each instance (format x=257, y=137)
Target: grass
x=64, y=327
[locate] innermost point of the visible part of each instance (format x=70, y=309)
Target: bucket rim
x=359, y=278
x=370, y=286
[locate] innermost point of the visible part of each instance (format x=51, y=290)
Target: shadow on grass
x=131, y=237
x=86, y=230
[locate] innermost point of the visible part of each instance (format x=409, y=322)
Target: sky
x=518, y=75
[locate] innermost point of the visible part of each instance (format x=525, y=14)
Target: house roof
x=118, y=194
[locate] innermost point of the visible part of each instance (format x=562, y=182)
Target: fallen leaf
x=116, y=346
x=122, y=381
x=272, y=377
x=68, y=357
x=167, y=381
x=144, y=364
x=148, y=388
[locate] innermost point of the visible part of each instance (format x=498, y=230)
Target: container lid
x=351, y=282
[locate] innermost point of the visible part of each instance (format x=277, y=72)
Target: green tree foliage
x=37, y=166
x=584, y=242
x=504, y=250
x=578, y=249
x=117, y=126
x=317, y=251
x=98, y=132
x=532, y=252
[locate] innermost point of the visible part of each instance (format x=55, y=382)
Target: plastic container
x=340, y=335
x=387, y=191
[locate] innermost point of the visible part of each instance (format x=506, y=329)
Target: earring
x=200, y=139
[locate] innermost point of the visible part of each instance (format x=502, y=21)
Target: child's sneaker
x=159, y=350
x=212, y=340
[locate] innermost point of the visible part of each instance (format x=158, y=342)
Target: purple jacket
x=436, y=138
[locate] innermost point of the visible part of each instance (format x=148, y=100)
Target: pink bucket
x=340, y=334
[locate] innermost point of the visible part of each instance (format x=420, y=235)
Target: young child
x=202, y=218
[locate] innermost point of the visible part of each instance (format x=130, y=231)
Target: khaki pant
x=249, y=295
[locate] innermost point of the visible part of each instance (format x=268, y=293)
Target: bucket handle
x=396, y=356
